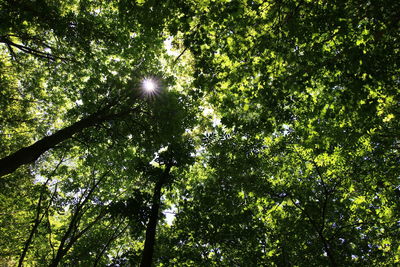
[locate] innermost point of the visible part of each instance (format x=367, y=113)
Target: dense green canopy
x=272, y=137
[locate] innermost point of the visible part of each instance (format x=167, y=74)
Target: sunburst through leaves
x=149, y=87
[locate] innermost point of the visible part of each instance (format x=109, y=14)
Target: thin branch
x=110, y=240
x=72, y=234
x=13, y=55
x=176, y=60
x=28, y=50
x=50, y=236
x=322, y=237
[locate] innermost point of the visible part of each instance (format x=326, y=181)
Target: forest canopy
x=199, y=133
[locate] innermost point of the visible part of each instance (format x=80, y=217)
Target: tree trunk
x=31, y=153
x=147, y=255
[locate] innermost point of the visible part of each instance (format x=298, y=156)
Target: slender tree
x=148, y=250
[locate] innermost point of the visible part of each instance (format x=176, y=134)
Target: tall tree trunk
x=147, y=255
x=31, y=153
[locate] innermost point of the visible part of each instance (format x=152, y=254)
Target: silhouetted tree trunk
x=147, y=255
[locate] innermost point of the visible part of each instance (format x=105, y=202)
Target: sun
x=149, y=86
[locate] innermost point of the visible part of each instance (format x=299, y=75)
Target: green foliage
x=279, y=121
